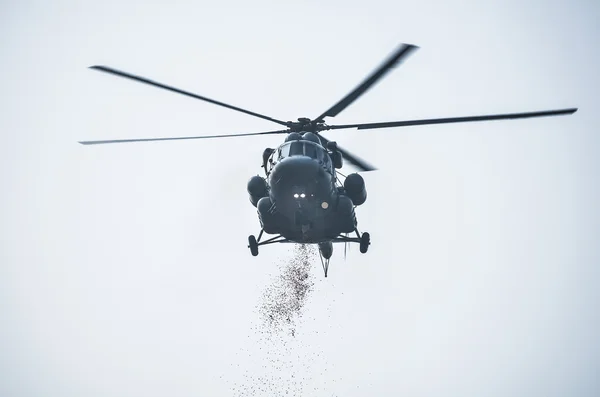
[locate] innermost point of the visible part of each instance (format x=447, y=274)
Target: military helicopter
x=301, y=199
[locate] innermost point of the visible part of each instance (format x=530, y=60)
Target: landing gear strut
x=325, y=248
x=254, y=243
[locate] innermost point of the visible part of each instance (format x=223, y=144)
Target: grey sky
x=124, y=269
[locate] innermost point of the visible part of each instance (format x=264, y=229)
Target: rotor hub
x=304, y=124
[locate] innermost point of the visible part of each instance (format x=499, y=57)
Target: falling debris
x=279, y=362
x=283, y=301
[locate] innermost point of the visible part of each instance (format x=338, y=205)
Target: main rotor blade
x=366, y=126
x=177, y=90
x=181, y=138
x=351, y=158
x=402, y=52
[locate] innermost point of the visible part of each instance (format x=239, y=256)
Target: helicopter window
x=304, y=148
x=325, y=159
x=310, y=151
x=296, y=148
x=325, y=162
x=284, y=151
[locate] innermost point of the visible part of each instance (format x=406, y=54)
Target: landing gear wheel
x=365, y=241
x=253, y=245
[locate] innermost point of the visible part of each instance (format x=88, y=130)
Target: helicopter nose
x=298, y=182
x=295, y=173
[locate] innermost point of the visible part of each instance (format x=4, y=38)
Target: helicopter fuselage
x=300, y=199
x=305, y=202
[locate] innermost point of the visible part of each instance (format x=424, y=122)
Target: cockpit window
x=296, y=148
x=305, y=148
x=311, y=151
x=283, y=152
x=301, y=148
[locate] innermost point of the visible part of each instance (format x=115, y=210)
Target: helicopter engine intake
x=356, y=189
x=257, y=189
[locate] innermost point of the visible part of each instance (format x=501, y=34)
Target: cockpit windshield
x=301, y=148
x=304, y=148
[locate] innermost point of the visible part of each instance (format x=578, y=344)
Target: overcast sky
x=124, y=269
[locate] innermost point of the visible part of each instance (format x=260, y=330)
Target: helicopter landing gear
x=253, y=245
x=254, y=242
x=365, y=241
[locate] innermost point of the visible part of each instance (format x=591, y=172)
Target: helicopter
x=301, y=198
